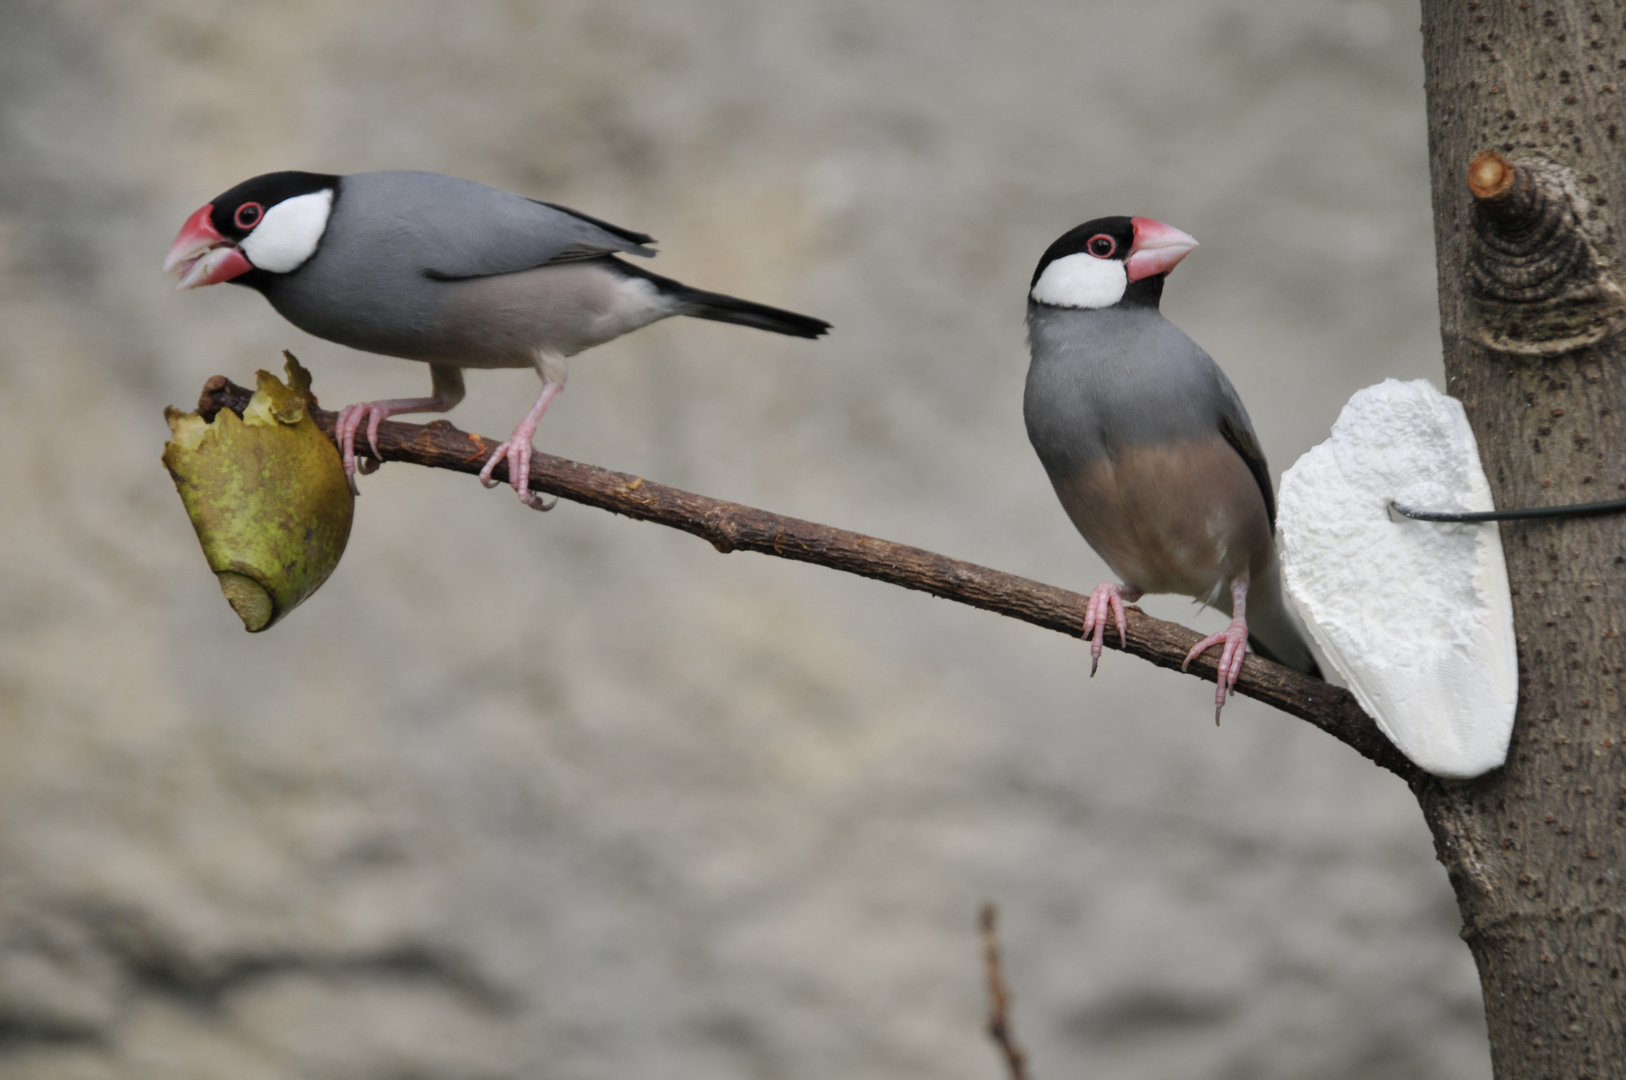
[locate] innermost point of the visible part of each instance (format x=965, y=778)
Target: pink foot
x=350, y=420
x=1235, y=640
x=1106, y=597
x=517, y=453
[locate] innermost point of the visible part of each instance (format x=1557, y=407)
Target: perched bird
x=447, y=271
x=1149, y=447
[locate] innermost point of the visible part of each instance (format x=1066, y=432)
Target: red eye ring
x=1101, y=246
x=248, y=215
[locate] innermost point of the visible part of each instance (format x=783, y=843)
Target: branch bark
x=732, y=527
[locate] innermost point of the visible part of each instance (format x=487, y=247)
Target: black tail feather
x=709, y=305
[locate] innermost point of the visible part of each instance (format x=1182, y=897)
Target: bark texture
x=1528, y=154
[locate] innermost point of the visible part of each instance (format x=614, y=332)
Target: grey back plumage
x=452, y=228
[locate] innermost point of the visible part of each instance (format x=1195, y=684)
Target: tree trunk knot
x=1537, y=282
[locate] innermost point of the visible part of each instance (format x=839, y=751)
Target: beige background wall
x=568, y=796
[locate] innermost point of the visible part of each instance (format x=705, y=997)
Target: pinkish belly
x=1184, y=518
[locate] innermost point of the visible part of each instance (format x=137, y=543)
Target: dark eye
x=248, y=216
x=1101, y=245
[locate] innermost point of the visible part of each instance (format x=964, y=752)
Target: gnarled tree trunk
x=1532, y=319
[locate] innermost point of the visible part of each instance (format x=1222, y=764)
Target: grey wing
x=1238, y=431
x=460, y=229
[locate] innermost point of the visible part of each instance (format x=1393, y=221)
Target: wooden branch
x=999, y=997
x=731, y=527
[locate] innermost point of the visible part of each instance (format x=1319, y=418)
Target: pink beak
x=1158, y=247
x=201, y=256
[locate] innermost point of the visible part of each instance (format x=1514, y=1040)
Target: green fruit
x=267, y=495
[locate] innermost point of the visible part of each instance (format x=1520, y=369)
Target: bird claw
x=344, y=430
x=536, y=501
x=1106, y=598
x=1229, y=669
x=517, y=453
x=500, y=454
x=373, y=413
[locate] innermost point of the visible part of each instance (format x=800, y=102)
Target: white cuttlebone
x=1416, y=616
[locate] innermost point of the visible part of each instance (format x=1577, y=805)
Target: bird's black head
x=239, y=211
x=265, y=226
x=1109, y=262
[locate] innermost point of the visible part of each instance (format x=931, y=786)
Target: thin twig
x=999, y=997
x=732, y=527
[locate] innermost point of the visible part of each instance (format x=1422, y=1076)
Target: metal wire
x=1575, y=510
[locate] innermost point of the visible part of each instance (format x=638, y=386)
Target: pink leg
x=1104, y=598
x=517, y=450
x=446, y=388
x=1235, y=640
x=350, y=420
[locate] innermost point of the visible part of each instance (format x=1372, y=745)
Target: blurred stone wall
x=569, y=796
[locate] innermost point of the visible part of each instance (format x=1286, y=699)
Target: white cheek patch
x=288, y=233
x=1081, y=281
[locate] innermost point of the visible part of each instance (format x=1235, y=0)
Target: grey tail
x=709, y=305
x=1273, y=631
x=1304, y=660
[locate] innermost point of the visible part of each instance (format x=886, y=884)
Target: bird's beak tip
x=1158, y=248
x=201, y=256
